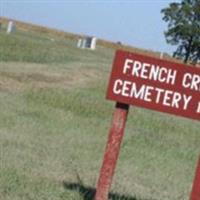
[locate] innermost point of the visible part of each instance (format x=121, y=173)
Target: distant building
x=87, y=43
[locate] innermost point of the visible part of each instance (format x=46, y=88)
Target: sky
x=133, y=22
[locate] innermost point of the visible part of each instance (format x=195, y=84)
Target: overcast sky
x=134, y=22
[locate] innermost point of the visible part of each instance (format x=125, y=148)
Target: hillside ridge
x=25, y=26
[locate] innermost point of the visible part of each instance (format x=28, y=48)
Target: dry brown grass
x=40, y=76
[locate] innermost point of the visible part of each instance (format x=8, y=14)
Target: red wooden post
x=195, y=194
x=112, y=151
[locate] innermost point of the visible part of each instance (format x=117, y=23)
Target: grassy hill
x=54, y=123
x=49, y=32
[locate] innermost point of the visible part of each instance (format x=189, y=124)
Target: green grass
x=37, y=48
x=54, y=123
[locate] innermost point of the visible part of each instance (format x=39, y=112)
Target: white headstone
x=161, y=55
x=88, y=43
x=83, y=45
x=79, y=43
x=93, y=43
x=11, y=27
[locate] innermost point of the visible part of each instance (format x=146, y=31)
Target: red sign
x=195, y=194
x=155, y=84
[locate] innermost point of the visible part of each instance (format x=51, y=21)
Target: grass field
x=54, y=123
